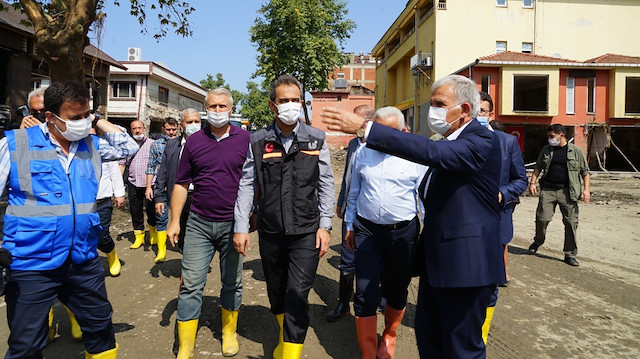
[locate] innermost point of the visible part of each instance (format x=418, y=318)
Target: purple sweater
x=215, y=169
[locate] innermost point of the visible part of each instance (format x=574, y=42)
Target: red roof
x=510, y=56
x=614, y=59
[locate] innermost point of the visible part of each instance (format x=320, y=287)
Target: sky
x=221, y=41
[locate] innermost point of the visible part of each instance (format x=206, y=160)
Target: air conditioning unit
x=422, y=60
x=340, y=83
x=134, y=54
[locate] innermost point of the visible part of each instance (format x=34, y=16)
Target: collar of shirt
x=287, y=141
x=457, y=132
x=233, y=130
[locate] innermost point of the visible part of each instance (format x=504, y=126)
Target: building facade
x=150, y=92
x=351, y=85
x=432, y=38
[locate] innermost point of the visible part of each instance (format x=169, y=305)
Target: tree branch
x=35, y=13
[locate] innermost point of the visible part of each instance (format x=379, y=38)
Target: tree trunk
x=61, y=39
x=304, y=106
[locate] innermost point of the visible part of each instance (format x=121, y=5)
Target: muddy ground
x=549, y=309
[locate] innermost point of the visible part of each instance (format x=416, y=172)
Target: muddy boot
x=162, y=246
x=277, y=352
x=187, y=338
x=109, y=354
x=76, y=332
x=346, y=291
x=229, y=338
x=291, y=350
x=367, y=336
x=114, y=263
x=153, y=235
x=139, y=239
x=52, y=329
x=392, y=319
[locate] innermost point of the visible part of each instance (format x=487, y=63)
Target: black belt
x=102, y=200
x=387, y=227
x=552, y=186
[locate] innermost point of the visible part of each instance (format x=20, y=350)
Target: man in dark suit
x=168, y=170
x=461, y=237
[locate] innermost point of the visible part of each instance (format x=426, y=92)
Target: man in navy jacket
x=462, y=254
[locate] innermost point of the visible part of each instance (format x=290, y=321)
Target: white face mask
x=76, y=129
x=138, y=137
x=554, y=141
x=437, y=119
x=191, y=128
x=289, y=113
x=218, y=119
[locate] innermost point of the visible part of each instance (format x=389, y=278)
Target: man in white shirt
x=382, y=225
x=111, y=184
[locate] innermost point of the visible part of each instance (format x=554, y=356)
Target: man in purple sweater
x=212, y=160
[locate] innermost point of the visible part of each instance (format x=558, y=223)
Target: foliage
x=210, y=83
x=255, y=105
x=301, y=37
x=61, y=27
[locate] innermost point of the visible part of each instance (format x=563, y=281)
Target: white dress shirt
x=383, y=189
x=111, y=183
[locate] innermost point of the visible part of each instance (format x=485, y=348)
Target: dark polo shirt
x=214, y=167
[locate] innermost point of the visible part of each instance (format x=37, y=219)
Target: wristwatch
x=360, y=132
x=328, y=229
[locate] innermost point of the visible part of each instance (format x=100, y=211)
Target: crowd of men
x=410, y=206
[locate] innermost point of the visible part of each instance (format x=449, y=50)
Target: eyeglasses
x=485, y=111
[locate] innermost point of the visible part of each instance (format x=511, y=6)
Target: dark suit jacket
x=166, y=176
x=461, y=235
x=513, y=181
x=346, y=176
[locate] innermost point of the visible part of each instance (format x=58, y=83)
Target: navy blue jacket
x=168, y=170
x=513, y=181
x=461, y=236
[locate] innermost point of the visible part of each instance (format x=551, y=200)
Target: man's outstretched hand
x=341, y=120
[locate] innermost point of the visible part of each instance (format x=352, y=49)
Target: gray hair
x=284, y=80
x=187, y=111
x=219, y=91
x=37, y=92
x=464, y=89
x=390, y=111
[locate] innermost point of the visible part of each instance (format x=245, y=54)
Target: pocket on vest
x=34, y=237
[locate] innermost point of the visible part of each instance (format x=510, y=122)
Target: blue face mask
x=483, y=120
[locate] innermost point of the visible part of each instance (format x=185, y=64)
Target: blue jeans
x=202, y=239
x=163, y=219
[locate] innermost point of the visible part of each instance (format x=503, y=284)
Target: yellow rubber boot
x=114, y=263
x=162, y=246
x=76, y=332
x=487, y=324
x=291, y=350
x=187, y=338
x=139, y=239
x=109, y=354
x=230, y=345
x=277, y=352
x=52, y=329
x=153, y=235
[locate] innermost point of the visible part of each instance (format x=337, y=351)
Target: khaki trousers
x=548, y=200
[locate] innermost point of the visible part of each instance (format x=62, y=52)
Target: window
x=501, y=46
x=340, y=75
x=442, y=5
x=591, y=95
x=163, y=95
x=571, y=97
x=527, y=3
x=123, y=89
x=632, y=95
x=501, y=3
x=527, y=47
x=486, y=80
x=530, y=93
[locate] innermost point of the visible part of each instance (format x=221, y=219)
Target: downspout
x=416, y=88
x=535, y=26
x=386, y=59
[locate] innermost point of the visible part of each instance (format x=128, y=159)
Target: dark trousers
x=347, y=256
x=138, y=205
x=105, y=208
x=378, y=249
x=289, y=264
x=184, y=216
x=449, y=321
x=80, y=287
x=548, y=199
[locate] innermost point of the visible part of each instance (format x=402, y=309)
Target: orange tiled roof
x=614, y=59
x=511, y=56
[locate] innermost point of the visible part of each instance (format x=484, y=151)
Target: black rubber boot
x=346, y=291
